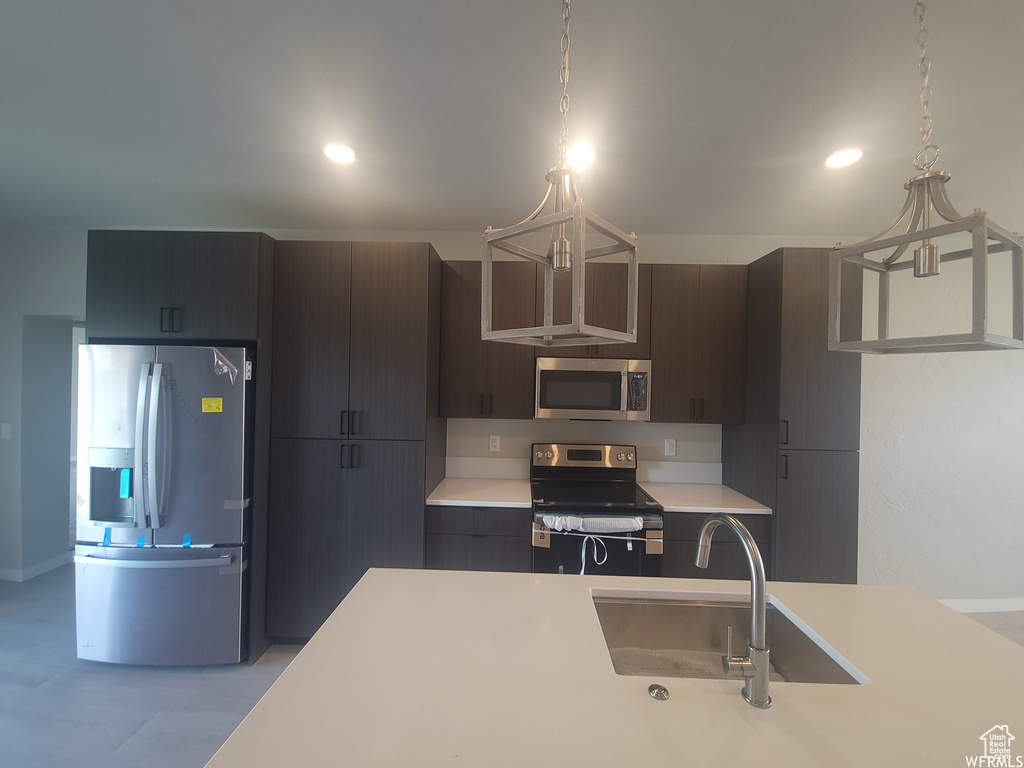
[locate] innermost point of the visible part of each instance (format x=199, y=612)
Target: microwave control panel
x=637, y=392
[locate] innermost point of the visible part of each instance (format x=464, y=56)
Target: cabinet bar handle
x=165, y=318
x=343, y=447
x=783, y=466
x=356, y=456
x=175, y=320
x=344, y=426
x=693, y=409
x=784, y=432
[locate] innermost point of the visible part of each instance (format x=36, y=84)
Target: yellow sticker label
x=213, y=404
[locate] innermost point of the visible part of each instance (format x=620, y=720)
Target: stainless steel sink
x=667, y=634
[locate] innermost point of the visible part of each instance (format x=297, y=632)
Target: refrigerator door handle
x=207, y=562
x=154, y=412
x=138, y=499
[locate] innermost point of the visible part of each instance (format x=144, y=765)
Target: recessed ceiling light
x=339, y=153
x=580, y=155
x=842, y=157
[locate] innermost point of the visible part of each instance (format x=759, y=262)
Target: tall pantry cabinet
x=357, y=440
x=797, y=451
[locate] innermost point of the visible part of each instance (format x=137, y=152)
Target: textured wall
x=942, y=473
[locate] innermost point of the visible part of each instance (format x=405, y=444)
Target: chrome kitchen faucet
x=754, y=666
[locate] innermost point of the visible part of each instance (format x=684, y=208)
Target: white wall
x=45, y=442
x=42, y=272
x=942, y=473
x=942, y=487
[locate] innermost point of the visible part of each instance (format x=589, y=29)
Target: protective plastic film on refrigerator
x=163, y=494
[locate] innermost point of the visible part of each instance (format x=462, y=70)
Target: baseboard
x=24, y=574
x=993, y=605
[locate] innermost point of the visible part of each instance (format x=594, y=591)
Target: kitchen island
x=423, y=668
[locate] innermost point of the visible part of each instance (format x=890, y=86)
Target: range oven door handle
x=652, y=538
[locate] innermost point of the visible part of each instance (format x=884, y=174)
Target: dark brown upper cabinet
x=355, y=340
x=698, y=343
x=486, y=379
x=174, y=285
x=819, y=390
x=312, y=299
x=605, y=305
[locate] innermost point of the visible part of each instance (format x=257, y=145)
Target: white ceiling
x=708, y=117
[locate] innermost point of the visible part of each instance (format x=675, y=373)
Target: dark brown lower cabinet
x=339, y=507
x=728, y=559
x=384, y=514
x=816, y=519
x=306, y=547
x=479, y=539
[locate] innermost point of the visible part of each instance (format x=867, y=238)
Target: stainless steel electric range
x=589, y=514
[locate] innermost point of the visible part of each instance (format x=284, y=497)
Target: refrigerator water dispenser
x=112, y=486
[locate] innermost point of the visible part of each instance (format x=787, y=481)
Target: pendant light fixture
x=960, y=302
x=572, y=227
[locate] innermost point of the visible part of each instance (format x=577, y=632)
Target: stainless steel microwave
x=585, y=388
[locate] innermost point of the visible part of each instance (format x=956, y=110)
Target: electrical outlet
x=495, y=444
x=670, y=446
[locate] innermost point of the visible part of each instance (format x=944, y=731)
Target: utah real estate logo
x=998, y=750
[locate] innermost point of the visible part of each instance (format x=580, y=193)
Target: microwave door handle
x=154, y=411
x=138, y=494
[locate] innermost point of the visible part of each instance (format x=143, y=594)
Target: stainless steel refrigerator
x=163, y=494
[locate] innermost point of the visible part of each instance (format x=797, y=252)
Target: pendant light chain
x=929, y=153
x=563, y=78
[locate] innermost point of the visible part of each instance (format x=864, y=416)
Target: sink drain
x=659, y=692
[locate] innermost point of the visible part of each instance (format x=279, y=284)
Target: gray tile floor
x=58, y=711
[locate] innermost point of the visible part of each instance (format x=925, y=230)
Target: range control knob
x=549, y=455
x=620, y=456
x=629, y=456
x=539, y=455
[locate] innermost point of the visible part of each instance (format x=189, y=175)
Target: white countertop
x=674, y=497
x=425, y=668
x=481, y=492
x=703, y=498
